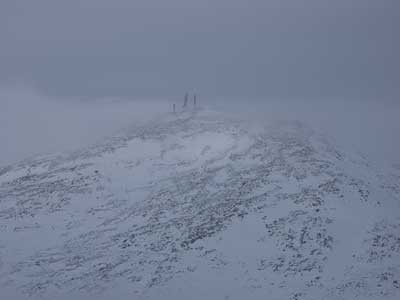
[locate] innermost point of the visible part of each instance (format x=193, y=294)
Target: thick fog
x=335, y=64
x=73, y=72
x=155, y=48
x=32, y=124
x=369, y=128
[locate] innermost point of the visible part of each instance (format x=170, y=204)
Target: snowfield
x=201, y=205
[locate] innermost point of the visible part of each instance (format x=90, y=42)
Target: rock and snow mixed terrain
x=200, y=205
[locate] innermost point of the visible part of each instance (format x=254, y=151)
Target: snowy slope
x=201, y=205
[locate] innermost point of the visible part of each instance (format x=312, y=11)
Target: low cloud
x=32, y=124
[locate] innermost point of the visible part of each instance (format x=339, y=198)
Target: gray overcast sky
x=252, y=48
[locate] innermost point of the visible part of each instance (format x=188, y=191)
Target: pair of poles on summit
x=186, y=102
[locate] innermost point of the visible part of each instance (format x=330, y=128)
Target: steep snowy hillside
x=200, y=205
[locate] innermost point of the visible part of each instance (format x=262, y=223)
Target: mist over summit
x=185, y=149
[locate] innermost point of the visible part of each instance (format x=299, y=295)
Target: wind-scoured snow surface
x=201, y=205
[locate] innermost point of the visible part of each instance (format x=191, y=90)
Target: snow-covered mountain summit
x=200, y=205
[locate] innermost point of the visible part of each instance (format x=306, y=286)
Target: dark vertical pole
x=185, y=102
x=195, y=100
x=174, y=108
